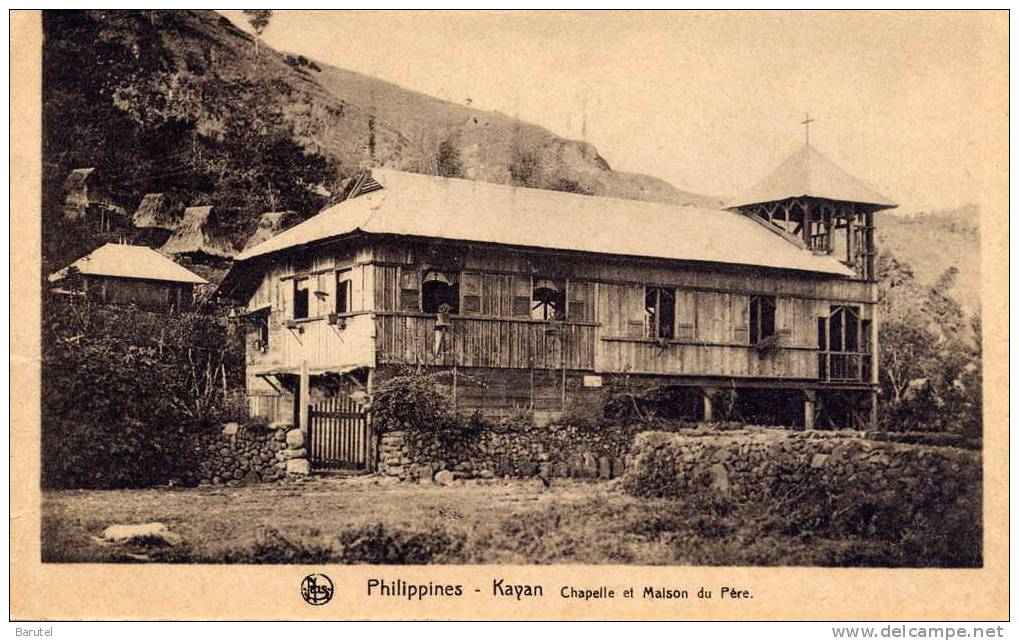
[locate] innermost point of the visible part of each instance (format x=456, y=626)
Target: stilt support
x=708, y=395
x=809, y=408
x=304, y=397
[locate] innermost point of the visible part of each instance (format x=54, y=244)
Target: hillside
x=184, y=103
x=934, y=242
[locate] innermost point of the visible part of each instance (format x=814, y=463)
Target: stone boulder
x=295, y=438
x=298, y=466
x=141, y=533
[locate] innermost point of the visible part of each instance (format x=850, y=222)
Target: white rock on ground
x=148, y=533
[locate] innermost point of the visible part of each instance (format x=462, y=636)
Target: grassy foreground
x=359, y=520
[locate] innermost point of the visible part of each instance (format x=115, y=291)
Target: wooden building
x=129, y=275
x=541, y=299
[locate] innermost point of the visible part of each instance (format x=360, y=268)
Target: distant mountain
x=185, y=103
x=934, y=242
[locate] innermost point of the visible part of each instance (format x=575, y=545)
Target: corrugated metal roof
x=807, y=172
x=465, y=210
x=130, y=261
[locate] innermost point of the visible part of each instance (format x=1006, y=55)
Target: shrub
x=272, y=547
x=415, y=402
x=121, y=389
x=585, y=417
x=391, y=546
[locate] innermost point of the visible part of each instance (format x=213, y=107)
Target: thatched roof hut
x=194, y=236
x=153, y=211
x=270, y=224
x=76, y=193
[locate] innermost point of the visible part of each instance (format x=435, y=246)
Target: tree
x=259, y=20
x=930, y=364
x=447, y=160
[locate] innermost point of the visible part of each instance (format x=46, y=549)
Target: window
x=844, y=339
x=548, y=299
x=762, y=318
x=301, y=298
x=659, y=312
x=343, y=291
x=844, y=329
x=263, y=331
x=438, y=289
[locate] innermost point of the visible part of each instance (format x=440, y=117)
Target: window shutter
x=686, y=315
x=409, y=291
x=580, y=307
x=741, y=318
x=470, y=290
x=521, y=296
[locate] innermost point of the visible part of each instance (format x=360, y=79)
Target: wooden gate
x=338, y=434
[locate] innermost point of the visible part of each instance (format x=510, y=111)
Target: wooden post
x=809, y=407
x=304, y=397
x=454, y=383
x=708, y=396
x=562, y=362
x=372, y=462
x=872, y=407
x=806, y=223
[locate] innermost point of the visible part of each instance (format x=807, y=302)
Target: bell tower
x=815, y=203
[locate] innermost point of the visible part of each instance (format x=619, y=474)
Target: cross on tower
x=806, y=123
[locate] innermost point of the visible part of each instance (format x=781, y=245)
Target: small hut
x=76, y=193
x=153, y=211
x=86, y=202
x=270, y=224
x=129, y=274
x=153, y=220
x=194, y=236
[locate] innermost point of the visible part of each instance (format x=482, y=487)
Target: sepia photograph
x=516, y=288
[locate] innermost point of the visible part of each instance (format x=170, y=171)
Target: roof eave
x=846, y=273
x=878, y=206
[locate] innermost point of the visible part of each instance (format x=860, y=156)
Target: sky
x=913, y=103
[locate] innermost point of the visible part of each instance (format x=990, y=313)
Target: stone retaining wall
x=751, y=464
x=604, y=452
x=547, y=451
x=249, y=454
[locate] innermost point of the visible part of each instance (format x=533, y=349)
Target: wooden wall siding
x=714, y=328
x=277, y=286
x=648, y=357
x=498, y=392
x=711, y=315
x=271, y=408
x=325, y=347
x=483, y=342
x=621, y=270
x=147, y=294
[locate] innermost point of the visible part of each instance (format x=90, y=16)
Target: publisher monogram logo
x=317, y=589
